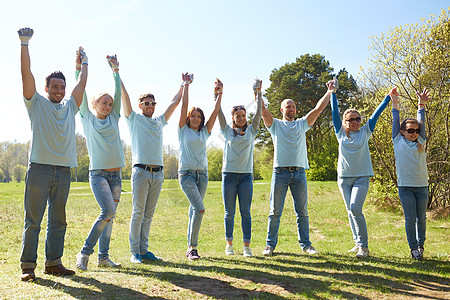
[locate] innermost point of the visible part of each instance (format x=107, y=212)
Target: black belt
x=291, y=169
x=148, y=168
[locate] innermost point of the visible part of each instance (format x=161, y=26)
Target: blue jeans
x=106, y=187
x=146, y=188
x=296, y=181
x=354, y=191
x=414, y=202
x=45, y=184
x=241, y=185
x=194, y=184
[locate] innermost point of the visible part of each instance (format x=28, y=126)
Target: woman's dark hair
x=420, y=147
x=188, y=121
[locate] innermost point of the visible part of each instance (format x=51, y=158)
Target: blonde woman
x=355, y=166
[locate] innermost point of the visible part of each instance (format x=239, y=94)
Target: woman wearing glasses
x=412, y=176
x=193, y=164
x=102, y=136
x=238, y=167
x=354, y=165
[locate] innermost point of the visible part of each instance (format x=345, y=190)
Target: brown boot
x=27, y=275
x=58, y=270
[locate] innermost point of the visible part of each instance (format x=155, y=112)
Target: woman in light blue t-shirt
x=237, y=179
x=412, y=175
x=106, y=161
x=355, y=166
x=193, y=164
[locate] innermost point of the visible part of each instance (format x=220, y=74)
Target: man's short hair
x=148, y=95
x=56, y=74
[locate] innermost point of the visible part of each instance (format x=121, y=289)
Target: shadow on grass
x=284, y=275
x=102, y=289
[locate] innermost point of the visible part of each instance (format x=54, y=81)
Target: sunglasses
x=412, y=130
x=357, y=119
x=148, y=103
x=237, y=107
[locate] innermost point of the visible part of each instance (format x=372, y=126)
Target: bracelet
x=24, y=44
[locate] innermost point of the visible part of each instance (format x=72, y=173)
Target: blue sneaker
x=150, y=256
x=136, y=258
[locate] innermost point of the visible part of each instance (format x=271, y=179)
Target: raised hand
x=394, y=94
x=424, y=97
x=113, y=62
x=83, y=56
x=187, y=78
x=333, y=85
x=257, y=86
x=78, y=61
x=25, y=35
x=218, y=87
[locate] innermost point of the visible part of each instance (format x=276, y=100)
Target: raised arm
x=84, y=107
x=184, y=105
x=218, y=89
x=213, y=116
x=126, y=104
x=114, y=64
x=173, y=105
x=395, y=114
x=424, y=97
x=337, y=122
x=313, y=114
x=79, y=89
x=28, y=83
x=376, y=114
x=259, y=102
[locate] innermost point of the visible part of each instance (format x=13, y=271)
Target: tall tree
x=412, y=57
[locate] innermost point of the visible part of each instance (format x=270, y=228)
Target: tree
x=170, y=162
x=82, y=151
x=2, y=175
x=304, y=81
x=126, y=171
x=19, y=172
x=412, y=57
x=215, y=155
x=12, y=154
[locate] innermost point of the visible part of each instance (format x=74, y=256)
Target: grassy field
x=388, y=273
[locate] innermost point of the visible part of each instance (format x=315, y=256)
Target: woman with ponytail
x=412, y=175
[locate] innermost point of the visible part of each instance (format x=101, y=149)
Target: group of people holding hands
x=53, y=153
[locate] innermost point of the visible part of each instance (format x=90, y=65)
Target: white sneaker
x=268, y=251
x=310, y=250
x=362, y=252
x=229, y=250
x=108, y=263
x=354, y=250
x=247, y=252
x=82, y=261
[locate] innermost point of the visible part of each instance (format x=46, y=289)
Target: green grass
x=388, y=273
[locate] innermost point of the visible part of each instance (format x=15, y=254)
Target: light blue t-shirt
x=289, y=142
x=102, y=135
x=238, y=151
x=53, y=131
x=354, y=155
x=411, y=164
x=193, y=148
x=146, y=138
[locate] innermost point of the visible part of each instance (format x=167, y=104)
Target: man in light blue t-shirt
x=289, y=164
x=53, y=153
x=147, y=175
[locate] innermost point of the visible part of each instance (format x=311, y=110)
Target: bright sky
x=155, y=41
